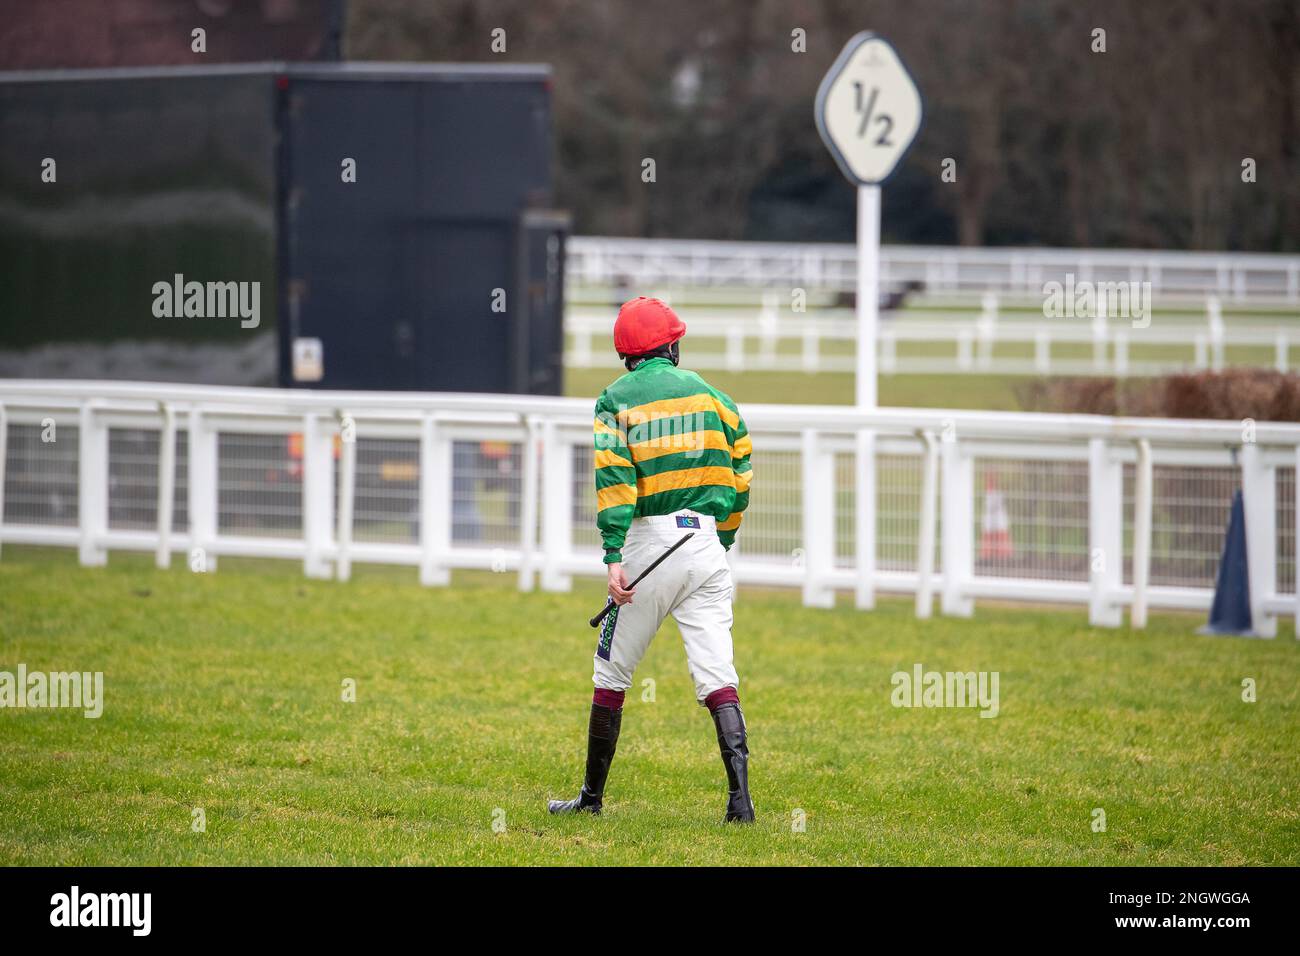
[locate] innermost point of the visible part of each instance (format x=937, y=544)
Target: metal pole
x=868, y=292
x=868, y=304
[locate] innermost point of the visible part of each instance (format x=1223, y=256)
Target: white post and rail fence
x=607, y=261
x=1104, y=513
x=991, y=340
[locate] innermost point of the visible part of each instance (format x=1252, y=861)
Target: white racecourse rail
x=656, y=263
x=955, y=341
x=1107, y=513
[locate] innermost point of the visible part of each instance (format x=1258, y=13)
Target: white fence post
x=1043, y=352
x=888, y=351
x=818, y=520
x=203, y=480
x=1143, y=506
x=926, y=530
x=166, y=484
x=347, y=501
x=767, y=324
x=317, y=494
x=956, y=526
x=528, y=505
x=1259, y=496
x=1215, y=314
x=987, y=325
x=811, y=346
x=864, y=518
x=435, y=503
x=557, y=508
x=92, y=486
x=735, y=357
x=1100, y=334
x=1296, y=487
x=1105, y=534
x=582, y=346
x=1281, y=348
x=965, y=348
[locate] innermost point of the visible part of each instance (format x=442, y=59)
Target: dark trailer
x=390, y=225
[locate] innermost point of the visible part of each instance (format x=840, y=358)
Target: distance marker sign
x=868, y=109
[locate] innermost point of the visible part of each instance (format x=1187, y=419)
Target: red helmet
x=644, y=325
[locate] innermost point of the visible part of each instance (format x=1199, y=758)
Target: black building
x=324, y=225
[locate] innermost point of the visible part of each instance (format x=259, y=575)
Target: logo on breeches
x=607, y=634
x=688, y=521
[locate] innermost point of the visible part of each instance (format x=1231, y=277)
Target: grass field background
x=223, y=693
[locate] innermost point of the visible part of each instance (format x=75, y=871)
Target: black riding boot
x=735, y=757
x=602, y=738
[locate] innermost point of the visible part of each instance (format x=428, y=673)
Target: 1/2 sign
x=868, y=109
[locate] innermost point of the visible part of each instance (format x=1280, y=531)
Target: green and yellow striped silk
x=668, y=441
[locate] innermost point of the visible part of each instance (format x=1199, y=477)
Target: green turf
x=223, y=693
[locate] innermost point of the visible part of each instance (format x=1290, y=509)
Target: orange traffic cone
x=995, y=533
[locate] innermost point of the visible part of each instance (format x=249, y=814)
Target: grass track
x=223, y=692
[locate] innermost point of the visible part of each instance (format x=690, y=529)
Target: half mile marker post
x=868, y=112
